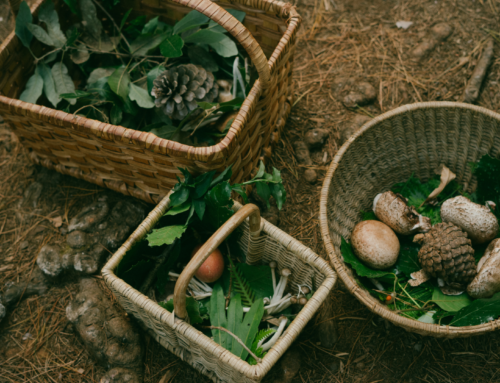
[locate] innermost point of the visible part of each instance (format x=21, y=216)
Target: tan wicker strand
x=193, y=346
x=139, y=163
x=412, y=139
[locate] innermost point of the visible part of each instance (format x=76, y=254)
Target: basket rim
x=296, y=326
x=152, y=142
x=361, y=294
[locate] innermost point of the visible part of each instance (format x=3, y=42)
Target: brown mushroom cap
x=293, y=300
x=305, y=290
x=375, y=244
x=273, y=264
x=303, y=301
x=286, y=272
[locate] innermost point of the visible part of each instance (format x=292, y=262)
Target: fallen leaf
x=446, y=177
x=404, y=24
x=80, y=370
x=419, y=277
x=57, y=222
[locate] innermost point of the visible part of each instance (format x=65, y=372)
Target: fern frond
x=261, y=336
x=241, y=286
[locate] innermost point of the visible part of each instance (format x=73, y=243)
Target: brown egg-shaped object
x=213, y=267
x=375, y=244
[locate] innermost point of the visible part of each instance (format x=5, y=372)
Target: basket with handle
x=141, y=164
x=261, y=242
x=412, y=139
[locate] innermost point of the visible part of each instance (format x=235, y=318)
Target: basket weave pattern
x=196, y=348
x=413, y=139
x=141, y=164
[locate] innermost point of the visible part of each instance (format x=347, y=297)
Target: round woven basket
x=413, y=139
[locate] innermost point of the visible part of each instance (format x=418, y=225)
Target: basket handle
x=215, y=240
x=235, y=28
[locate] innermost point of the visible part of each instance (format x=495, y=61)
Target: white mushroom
x=270, y=343
x=477, y=220
x=280, y=289
x=487, y=281
x=225, y=94
x=393, y=210
x=273, y=266
x=375, y=244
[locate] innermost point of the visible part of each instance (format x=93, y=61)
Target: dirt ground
x=339, y=38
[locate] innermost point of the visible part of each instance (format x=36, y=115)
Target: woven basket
x=261, y=242
x=141, y=164
x=413, y=139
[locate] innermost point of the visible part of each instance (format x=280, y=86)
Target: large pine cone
x=178, y=89
x=447, y=254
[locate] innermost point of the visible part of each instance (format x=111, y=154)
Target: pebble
x=13, y=291
x=362, y=93
x=302, y=153
x=89, y=217
x=311, y=176
x=24, y=245
x=77, y=239
x=315, y=138
x=120, y=375
x=49, y=260
x=32, y=195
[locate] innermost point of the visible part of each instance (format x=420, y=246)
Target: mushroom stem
x=280, y=289
x=281, y=304
x=377, y=284
x=273, y=265
x=266, y=346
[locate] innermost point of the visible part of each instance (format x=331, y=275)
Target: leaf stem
x=47, y=54
x=238, y=339
x=408, y=295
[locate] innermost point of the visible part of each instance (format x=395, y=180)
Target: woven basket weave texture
x=193, y=346
x=141, y=164
x=413, y=139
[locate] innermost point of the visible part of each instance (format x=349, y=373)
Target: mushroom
x=271, y=342
x=487, y=281
x=477, y=220
x=393, y=210
x=375, y=244
x=280, y=289
x=199, y=289
x=225, y=94
x=303, y=301
x=294, y=300
x=273, y=266
x=305, y=290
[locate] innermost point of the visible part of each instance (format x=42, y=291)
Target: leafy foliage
x=487, y=172
x=478, y=312
x=196, y=313
x=360, y=268
x=452, y=303
x=407, y=262
x=259, y=278
x=241, y=285
x=261, y=336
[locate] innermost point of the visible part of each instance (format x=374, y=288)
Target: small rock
x=32, y=195
x=438, y=33
x=24, y=245
x=311, y=176
x=49, y=260
x=77, y=239
x=328, y=334
x=89, y=217
x=128, y=213
x=340, y=84
x=302, y=153
x=315, y=138
x=290, y=364
x=116, y=235
x=362, y=93
x=352, y=127
x=120, y=375
x=13, y=291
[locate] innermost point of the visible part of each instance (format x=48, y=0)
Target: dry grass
x=340, y=38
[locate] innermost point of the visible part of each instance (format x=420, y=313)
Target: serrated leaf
x=49, y=87
x=249, y=328
x=199, y=207
x=264, y=192
x=33, y=89
x=141, y=96
x=218, y=209
x=192, y=20
x=356, y=264
x=241, y=285
x=259, y=278
x=179, y=209
x=218, y=315
x=99, y=73
x=119, y=82
x=48, y=15
x=40, y=34
x=225, y=47
x=73, y=6
x=24, y=18
x=143, y=44
x=153, y=74
x=116, y=115
x=451, y=303
x=91, y=22
x=239, y=15
x=478, y=312
x=172, y=46
x=205, y=36
x=79, y=55
x=279, y=193
x=234, y=319
x=165, y=235
x=72, y=34
x=62, y=81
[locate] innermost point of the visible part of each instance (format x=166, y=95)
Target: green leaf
x=116, y=115
x=119, y=82
x=99, y=73
x=192, y=308
x=478, y=312
x=33, y=89
x=141, y=96
x=261, y=171
x=199, y=207
x=451, y=303
x=62, y=81
x=89, y=14
x=279, y=193
x=179, y=209
x=225, y=47
x=24, y=18
x=213, y=26
x=199, y=56
x=76, y=94
x=73, y=6
x=218, y=315
x=264, y=192
x=218, y=205
x=202, y=184
x=48, y=15
x=144, y=44
x=249, y=328
x=259, y=278
x=234, y=319
x=163, y=131
x=261, y=335
x=49, y=87
x=356, y=264
x=368, y=216
x=487, y=172
x=205, y=36
x=172, y=46
x=40, y=34
x=165, y=235
x=192, y=20
x=72, y=34
x=79, y=55
x=124, y=19
x=239, y=189
x=241, y=285
x=180, y=196
x=150, y=26
x=153, y=74
x=407, y=261
x=224, y=176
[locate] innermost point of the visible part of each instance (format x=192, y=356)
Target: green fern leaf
x=261, y=335
x=241, y=286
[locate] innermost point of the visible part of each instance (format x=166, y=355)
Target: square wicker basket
x=260, y=242
x=141, y=164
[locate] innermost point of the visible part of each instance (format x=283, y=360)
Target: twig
x=114, y=23
x=238, y=339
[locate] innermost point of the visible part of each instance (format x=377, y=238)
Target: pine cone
x=447, y=254
x=177, y=89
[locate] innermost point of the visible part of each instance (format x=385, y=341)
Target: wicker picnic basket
x=413, y=139
x=141, y=164
x=261, y=242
